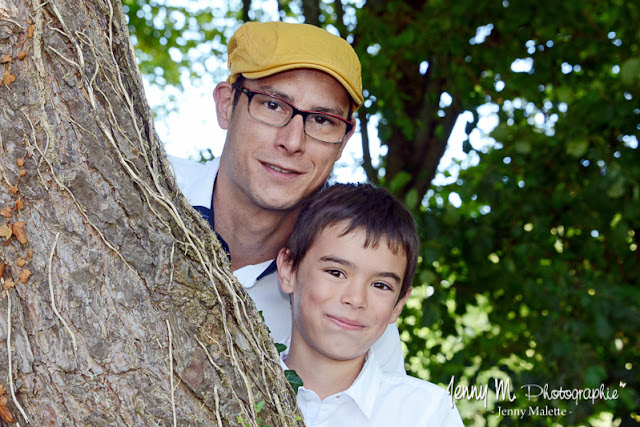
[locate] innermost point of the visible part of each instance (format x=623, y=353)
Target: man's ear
x=223, y=96
x=398, y=308
x=285, y=271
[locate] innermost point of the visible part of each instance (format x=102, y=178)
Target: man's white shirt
x=378, y=398
x=196, y=180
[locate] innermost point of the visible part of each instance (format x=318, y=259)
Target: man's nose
x=292, y=136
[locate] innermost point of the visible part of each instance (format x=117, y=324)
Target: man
x=287, y=108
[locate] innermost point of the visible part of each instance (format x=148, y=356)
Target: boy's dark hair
x=362, y=207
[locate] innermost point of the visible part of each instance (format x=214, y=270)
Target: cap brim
x=357, y=99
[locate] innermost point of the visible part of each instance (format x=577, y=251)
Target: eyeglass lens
x=273, y=111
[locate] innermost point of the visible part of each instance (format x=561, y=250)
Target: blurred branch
x=311, y=12
x=372, y=173
x=339, y=9
x=246, y=7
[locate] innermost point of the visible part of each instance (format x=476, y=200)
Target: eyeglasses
x=274, y=111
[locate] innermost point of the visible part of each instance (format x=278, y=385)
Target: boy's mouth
x=345, y=323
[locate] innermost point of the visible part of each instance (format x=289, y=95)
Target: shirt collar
x=284, y=353
x=258, y=271
x=272, y=268
x=207, y=213
x=249, y=275
x=365, y=388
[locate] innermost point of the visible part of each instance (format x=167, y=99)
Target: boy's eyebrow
x=341, y=261
x=346, y=263
x=390, y=275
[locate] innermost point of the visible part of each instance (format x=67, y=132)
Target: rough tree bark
x=130, y=315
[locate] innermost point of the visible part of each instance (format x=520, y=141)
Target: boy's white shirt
x=196, y=181
x=378, y=398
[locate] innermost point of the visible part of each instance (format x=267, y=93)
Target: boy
x=348, y=268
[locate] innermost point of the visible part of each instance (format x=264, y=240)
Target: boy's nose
x=355, y=295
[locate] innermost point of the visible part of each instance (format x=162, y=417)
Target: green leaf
x=630, y=71
x=431, y=313
x=617, y=189
x=294, y=380
x=259, y=406
x=523, y=147
x=578, y=147
x=412, y=199
x=594, y=376
x=502, y=132
x=603, y=328
x=280, y=347
x=430, y=254
x=399, y=181
x=451, y=215
x=564, y=93
x=427, y=277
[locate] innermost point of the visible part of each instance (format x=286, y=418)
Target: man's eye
x=273, y=105
x=322, y=120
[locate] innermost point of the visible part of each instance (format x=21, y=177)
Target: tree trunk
x=130, y=315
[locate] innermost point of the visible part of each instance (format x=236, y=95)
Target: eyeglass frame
x=304, y=113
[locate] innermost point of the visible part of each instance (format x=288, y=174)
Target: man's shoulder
x=187, y=169
x=195, y=179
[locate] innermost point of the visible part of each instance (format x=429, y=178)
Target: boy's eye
x=381, y=285
x=335, y=272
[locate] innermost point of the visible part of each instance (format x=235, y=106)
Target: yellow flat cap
x=260, y=49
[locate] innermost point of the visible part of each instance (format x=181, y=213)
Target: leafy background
x=529, y=264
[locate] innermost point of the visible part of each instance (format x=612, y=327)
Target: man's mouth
x=279, y=169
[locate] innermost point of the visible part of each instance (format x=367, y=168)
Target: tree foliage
x=532, y=274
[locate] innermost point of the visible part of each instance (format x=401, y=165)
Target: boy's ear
x=398, y=308
x=285, y=271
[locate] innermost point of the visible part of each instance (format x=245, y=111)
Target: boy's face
x=344, y=295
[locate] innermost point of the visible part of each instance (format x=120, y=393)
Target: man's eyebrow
x=336, y=111
x=275, y=92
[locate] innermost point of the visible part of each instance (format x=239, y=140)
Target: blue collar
x=207, y=213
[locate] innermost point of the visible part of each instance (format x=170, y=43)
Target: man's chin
x=283, y=203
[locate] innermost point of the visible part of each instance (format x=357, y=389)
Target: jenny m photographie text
x=540, y=398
